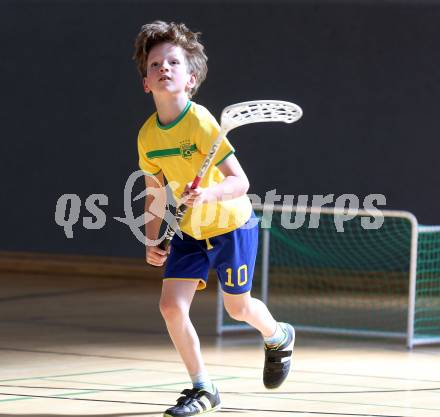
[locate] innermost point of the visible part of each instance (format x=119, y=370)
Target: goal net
x=337, y=274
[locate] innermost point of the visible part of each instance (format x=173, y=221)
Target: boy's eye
x=154, y=64
x=174, y=62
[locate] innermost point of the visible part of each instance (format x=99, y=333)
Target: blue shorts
x=232, y=255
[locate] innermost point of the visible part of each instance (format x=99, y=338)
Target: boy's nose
x=163, y=68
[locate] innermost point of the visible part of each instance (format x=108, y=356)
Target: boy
x=219, y=229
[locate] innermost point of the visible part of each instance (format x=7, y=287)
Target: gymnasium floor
x=87, y=346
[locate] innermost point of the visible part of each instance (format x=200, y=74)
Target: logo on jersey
x=186, y=149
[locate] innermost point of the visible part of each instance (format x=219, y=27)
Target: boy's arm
x=155, y=203
x=234, y=185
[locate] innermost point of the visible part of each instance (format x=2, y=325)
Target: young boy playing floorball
x=173, y=143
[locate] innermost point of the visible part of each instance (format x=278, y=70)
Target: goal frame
x=411, y=341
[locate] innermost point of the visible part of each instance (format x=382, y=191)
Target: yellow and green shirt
x=178, y=150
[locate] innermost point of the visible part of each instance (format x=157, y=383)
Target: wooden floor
x=96, y=346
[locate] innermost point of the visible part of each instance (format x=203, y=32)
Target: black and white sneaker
x=278, y=359
x=194, y=402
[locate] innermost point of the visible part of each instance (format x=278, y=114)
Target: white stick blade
x=260, y=111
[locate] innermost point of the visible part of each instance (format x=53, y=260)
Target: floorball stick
x=233, y=116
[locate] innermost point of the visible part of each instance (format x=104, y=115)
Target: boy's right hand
x=156, y=256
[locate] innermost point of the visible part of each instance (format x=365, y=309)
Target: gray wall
x=365, y=73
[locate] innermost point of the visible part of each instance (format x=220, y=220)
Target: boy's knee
x=170, y=309
x=238, y=312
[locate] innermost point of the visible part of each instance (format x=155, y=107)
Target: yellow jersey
x=178, y=150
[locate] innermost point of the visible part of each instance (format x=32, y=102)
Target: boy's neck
x=170, y=108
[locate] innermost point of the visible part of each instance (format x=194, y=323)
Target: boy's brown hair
x=177, y=34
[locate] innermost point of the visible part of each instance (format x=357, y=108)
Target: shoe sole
x=216, y=408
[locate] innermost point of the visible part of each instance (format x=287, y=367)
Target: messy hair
x=177, y=34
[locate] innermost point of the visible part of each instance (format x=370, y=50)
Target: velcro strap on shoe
x=188, y=397
x=276, y=366
x=273, y=355
x=185, y=401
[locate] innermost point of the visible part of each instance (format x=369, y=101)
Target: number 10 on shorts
x=242, y=276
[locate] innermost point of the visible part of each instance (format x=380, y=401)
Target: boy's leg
x=279, y=338
x=175, y=303
x=234, y=258
x=185, y=272
x=243, y=307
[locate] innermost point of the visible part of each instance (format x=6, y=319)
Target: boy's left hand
x=195, y=197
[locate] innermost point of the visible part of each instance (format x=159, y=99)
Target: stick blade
x=258, y=111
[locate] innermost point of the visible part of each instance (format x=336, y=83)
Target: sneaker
x=194, y=402
x=277, y=360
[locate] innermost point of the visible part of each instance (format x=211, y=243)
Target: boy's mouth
x=164, y=78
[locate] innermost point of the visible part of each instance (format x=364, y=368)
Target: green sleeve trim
x=174, y=123
x=227, y=155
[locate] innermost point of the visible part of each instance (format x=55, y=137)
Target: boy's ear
x=191, y=82
x=144, y=83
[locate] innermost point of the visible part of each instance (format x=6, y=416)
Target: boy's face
x=167, y=72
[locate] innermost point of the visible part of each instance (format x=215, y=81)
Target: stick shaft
x=208, y=159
